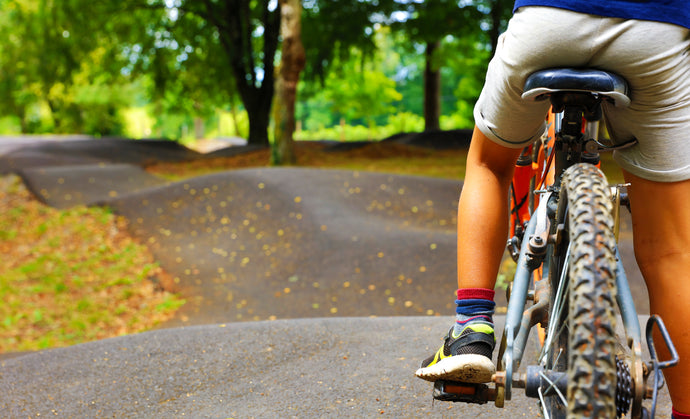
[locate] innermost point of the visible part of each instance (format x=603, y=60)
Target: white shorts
x=653, y=57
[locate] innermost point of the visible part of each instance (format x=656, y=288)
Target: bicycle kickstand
x=655, y=367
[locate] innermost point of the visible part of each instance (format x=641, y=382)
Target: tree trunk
x=23, y=123
x=494, y=32
x=233, y=112
x=291, y=64
x=499, y=9
x=257, y=102
x=258, y=114
x=198, y=128
x=342, y=129
x=236, y=26
x=432, y=90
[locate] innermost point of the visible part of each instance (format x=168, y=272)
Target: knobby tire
x=585, y=346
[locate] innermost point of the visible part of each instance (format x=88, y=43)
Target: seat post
x=572, y=123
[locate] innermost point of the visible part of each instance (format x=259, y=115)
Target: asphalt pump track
x=310, y=292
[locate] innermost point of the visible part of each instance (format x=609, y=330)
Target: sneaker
x=465, y=358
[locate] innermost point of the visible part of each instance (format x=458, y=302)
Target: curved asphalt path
x=341, y=367
x=346, y=367
x=321, y=246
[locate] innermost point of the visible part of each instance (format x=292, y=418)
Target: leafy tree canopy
x=82, y=61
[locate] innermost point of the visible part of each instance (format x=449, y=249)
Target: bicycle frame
x=572, y=137
x=533, y=251
x=519, y=321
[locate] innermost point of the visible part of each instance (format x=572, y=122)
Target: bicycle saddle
x=541, y=84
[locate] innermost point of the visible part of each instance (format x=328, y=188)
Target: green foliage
x=430, y=21
x=347, y=133
x=232, y=123
x=79, y=66
x=10, y=125
x=360, y=91
x=346, y=89
x=406, y=122
x=57, y=70
x=332, y=29
x=361, y=94
x=469, y=65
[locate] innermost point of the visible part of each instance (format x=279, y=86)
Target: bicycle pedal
x=453, y=391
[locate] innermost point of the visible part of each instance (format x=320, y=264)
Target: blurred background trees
x=184, y=69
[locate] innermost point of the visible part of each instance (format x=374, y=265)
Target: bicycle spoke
x=562, y=328
x=561, y=297
x=543, y=404
x=558, y=357
x=563, y=325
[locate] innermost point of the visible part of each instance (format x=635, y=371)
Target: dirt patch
x=388, y=156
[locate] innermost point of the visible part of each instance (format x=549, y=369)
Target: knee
x=662, y=266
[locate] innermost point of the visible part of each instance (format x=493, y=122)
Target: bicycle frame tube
x=626, y=303
x=516, y=326
x=633, y=333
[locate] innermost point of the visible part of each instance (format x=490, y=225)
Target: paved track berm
x=350, y=264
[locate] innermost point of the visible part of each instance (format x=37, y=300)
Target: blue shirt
x=669, y=11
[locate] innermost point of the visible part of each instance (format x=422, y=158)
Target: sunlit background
x=170, y=68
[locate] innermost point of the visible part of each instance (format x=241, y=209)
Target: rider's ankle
x=474, y=305
x=678, y=415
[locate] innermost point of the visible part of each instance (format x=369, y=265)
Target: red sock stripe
x=474, y=293
x=474, y=319
x=678, y=415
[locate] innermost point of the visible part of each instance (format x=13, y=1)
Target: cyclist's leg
x=483, y=211
x=506, y=123
x=482, y=231
x=661, y=229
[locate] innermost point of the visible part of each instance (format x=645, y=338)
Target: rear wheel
x=581, y=338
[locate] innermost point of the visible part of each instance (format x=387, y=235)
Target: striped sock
x=474, y=305
x=678, y=415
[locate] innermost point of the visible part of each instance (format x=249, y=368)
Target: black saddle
x=544, y=83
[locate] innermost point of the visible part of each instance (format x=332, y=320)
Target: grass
x=71, y=276
x=377, y=157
